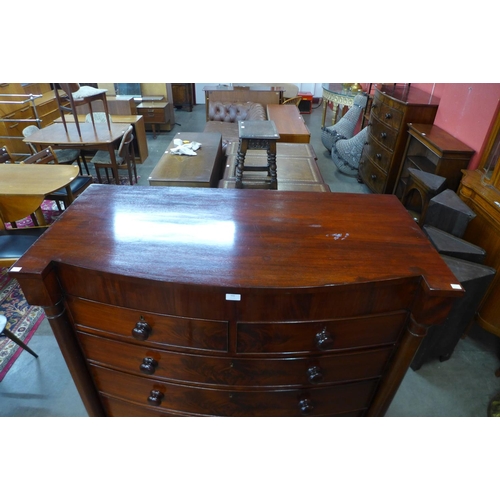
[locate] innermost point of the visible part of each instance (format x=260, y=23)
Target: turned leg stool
x=257, y=134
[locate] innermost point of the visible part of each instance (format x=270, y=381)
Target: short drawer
x=383, y=134
x=170, y=331
x=317, y=401
x=317, y=336
x=380, y=156
x=386, y=114
x=232, y=371
x=372, y=176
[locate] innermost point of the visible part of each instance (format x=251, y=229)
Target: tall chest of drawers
x=193, y=302
x=392, y=109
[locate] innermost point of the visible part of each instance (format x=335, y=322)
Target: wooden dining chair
x=295, y=101
x=64, y=156
x=125, y=158
x=69, y=193
x=75, y=96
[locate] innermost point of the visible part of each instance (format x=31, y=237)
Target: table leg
x=271, y=164
x=323, y=119
x=240, y=162
x=40, y=217
x=334, y=113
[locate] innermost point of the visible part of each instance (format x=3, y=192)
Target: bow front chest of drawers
x=392, y=109
x=185, y=301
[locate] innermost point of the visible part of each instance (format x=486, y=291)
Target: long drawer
x=387, y=114
x=384, y=134
x=320, y=336
x=234, y=371
x=317, y=401
x=373, y=176
x=165, y=331
x=378, y=154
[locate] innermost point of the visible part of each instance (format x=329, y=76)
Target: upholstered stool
x=420, y=188
x=441, y=340
x=448, y=212
x=447, y=244
x=257, y=134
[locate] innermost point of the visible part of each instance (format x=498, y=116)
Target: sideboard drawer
x=317, y=401
x=165, y=330
x=231, y=371
x=379, y=155
x=319, y=336
x=374, y=177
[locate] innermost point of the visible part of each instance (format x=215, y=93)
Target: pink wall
x=465, y=111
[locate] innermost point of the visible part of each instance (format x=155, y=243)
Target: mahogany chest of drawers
x=392, y=109
x=186, y=301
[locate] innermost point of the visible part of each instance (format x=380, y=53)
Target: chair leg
x=85, y=163
x=19, y=342
x=98, y=173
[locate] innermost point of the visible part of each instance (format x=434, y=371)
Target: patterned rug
x=23, y=320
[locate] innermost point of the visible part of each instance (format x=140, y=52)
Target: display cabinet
x=183, y=95
x=480, y=190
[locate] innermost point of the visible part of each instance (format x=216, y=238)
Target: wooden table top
x=56, y=135
x=182, y=170
x=26, y=180
x=237, y=239
x=289, y=123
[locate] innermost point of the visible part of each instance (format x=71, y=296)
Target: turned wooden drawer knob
x=155, y=398
x=141, y=330
x=305, y=406
x=383, y=135
x=315, y=375
x=374, y=177
x=324, y=340
x=388, y=116
x=148, y=366
x=378, y=156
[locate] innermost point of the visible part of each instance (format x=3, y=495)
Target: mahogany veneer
x=188, y=301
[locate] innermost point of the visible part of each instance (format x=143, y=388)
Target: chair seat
x=87, y=91
x=77, y=184
x=103, y=157
x=14, y=243
x=67, y=155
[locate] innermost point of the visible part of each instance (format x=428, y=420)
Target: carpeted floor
x=22, y=320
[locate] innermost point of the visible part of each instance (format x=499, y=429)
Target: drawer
x=372, y=176
x=231, y=371
x=317, y=401
x=387, y=114
x=153, y=115
x=118, y=408
x=383, y=134
x=379, y=155
x=165, y=331
x=318, y=336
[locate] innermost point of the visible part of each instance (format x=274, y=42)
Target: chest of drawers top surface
x=239, y=239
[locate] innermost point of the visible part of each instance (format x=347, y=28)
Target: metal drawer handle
x=324, y=340
x=148, y=365
x=378, y=156
x=142, y=330
x=315, y=374
x=383, y=135
x=155, y=397
x=305, y=406
x=388, y=116
x=373, y=176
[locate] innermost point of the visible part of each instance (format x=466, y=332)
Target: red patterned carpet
x=23, y=320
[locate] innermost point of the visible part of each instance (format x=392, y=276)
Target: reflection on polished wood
x=232, y=302
x=24, y=187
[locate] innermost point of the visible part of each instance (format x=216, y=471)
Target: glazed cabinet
x=480, y=190
x=393, y=108
x=224, y=308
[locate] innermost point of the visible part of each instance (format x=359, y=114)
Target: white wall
x=314, y=88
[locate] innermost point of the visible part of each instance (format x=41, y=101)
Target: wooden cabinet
x=154, y=113
x=432, y=150
x=480, y=190
x=392, y=109
x=183, y=95
x=232, y=310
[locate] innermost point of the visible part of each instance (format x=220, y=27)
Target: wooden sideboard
x=394, y=106
x=188, y=301
x=183, y=95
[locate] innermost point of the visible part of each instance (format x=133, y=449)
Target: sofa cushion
x=233, y=112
